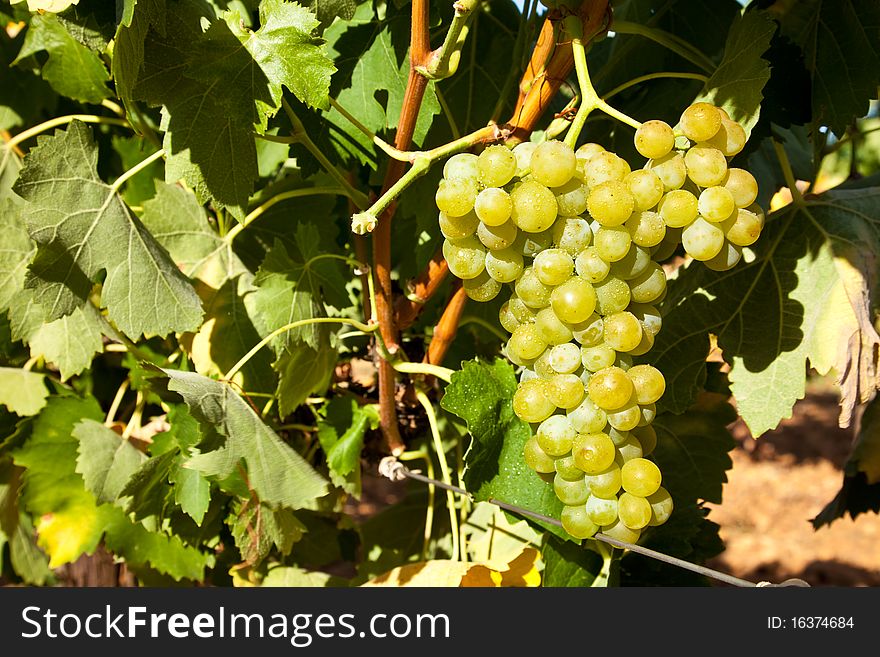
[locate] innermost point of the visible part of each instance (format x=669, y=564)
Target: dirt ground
x=777, y=485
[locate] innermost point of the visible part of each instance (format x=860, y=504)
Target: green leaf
x=106, y=461
x=303, y=371
x=341, y=434
x=567, y=564
x=285, y=576
x=737, y=83
x=25, y=95
x=72, y=69
x=277, y=474
x=802, y=300
x=82, y=227
x=493, y=539
x=16, y=252
x=257, y=528
x=481, y=394
x=146, y=490
x=192, y=492
x=138, y=17
x=28, y=560
x=21, y=391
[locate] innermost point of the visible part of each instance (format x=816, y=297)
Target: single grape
x=571, y=492
x=588, y=150
x=588, y=333
x=702, y=240
x=605, y=484
x=456, y=196
x=493, y=206
x=630, y=448
x=505, y=265
x=727, y=257
x=730, y=138
x=716, y=204
x=496, y=238
x=641, y=477
x=678, y=208
x=534, y=207
x=553, y=266
x=571, y=198
x=523, y=313
x=661, y=506
x=646, y=228
x=706, y=166
x=700, y=121
x=671, y=170
x=531, y=290
x=457, y=228
x=612, y=242
x=587, y=418
x=611, y=203
x=634, y=263
x=613, y=295
x=466, y=258
x=565, y=358
x=572, y=234
x=742, y=185
x=593, y=452
x=497, y=166
x=649, y=286
x=535, y=457
x=590, y=265
x=626, y=418
x=541, y=365
x=566, y=468
x=576, y=521
x=646, y=188
x=634, y=512
x=530, y=403
x=623, y=331
x=604, y=167
x=555, y=435
x=647, y=438
x=552, y=329
x=648, y=382
x=743, y=228
x=461, y=165
x=610, y=388
x=645, y=345
x=526, y=343
x=553, y=163
x=566, y=390
x=617, y=530
x=482, y=288
x=598, y=357
x=574, y=300
x=601, y=511
x=506, y=318
x=654, y=139
x=523, y=153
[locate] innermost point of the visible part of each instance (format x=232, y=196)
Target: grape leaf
x=82, y=227
x=71, y=69
x=106, y=461
x=568, y=564
x=138, y=17
x=15, y=253
x=480, y=394
x=256, y=528
x=493, y=539
x=277, y=474
x=341, y=434
x=288, y=576
x=192, y=492
x=737, y=83
x=25, y=95
x=21, y=391
x=803, y=299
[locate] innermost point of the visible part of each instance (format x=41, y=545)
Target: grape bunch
x=577, y=236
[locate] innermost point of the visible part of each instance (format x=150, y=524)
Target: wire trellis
x=394, y=470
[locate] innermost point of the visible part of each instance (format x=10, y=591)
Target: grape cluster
x=578, y=236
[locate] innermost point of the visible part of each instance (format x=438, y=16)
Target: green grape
x=671, y=170
x=602, y=511
x=482, y=288
x=553, y=163
x=727, y=257
x=573, y=301
x=634, y=512
x=648, y=382
x=612, y=295
x=457, y=228
x=541, y=365
x=649, y=286
x=590, y=265
x=493, y=206
x=593, y=452
x=576, y=521
x=552, y=329
x=553, y=266
x=526, y=343
x=530, y=404
x=646, y=228
x=625, y=418
x=647, y=438
x=572, y=234
x=505, y=266
x=496, y=238
x=646, y=188
x=461, y=165
x=635, y=262
x=523, y=153
x=531, y=244
x=588, y=333
x=466, y=258
x=630, y=449
x=744, y=227
x=535, y=457
x=612, y=242
x=644, y=346
x=649, y=412
x=605, y=484
x=571, y=198
x=523, y=313
x=507, y=319
x=605, y=167
x=641, y=477
x=661, y=506
x=611, y=203
x=730, y=138
x=571, y=492
x=702, y=240
x=598, y=357
x=678, y=208
x=497, y=166
x=588, y=150
x=623, y=331
x=565, y=358
x=566, y=468
x=700, y=121
x=706, y=166
x=534, y=207
x=555, y=435
x=531, y=290
x=742, y=185
x=649, y=316
x=617, y=530
x=587, y=418
x=618, y=436
x=456, y=196
x=610, y=388
x=654, y=139
x=565, y=390
x=667, y=248
x=716, y=204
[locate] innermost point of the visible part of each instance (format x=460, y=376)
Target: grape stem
x=796, y=196
x=429, y=511
x=428, y=369
x=655, y=76
x=443, y=62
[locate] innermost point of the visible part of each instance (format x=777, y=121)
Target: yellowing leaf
x=493, y=540
x=67, y=534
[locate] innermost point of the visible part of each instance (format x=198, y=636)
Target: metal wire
x=394, y=470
